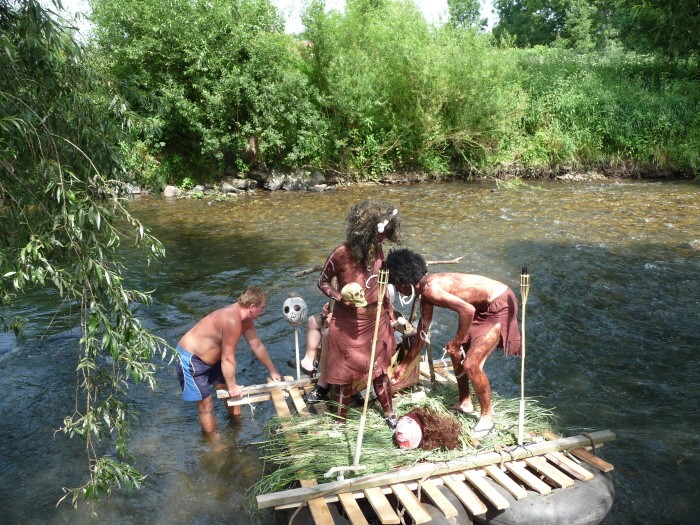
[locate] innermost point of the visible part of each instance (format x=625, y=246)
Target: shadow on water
x=612, y=336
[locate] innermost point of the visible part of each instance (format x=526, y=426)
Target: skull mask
x=295, y=310
x=353, y=293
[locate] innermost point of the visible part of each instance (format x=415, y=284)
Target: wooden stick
x=257, y=389
x=451, y=261
x=383, y=281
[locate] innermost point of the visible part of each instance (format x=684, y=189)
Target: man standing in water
x=488, y=316
x=207, y=353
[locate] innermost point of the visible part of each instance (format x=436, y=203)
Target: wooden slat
x=352, y=509
x=246, y=400
x=550, y=472
x=410, y=502
x=422, y=470
x=465, y=494
x=280, y=403
x=269, y=387
x=569, y=465
x=592, y=459
x=527, y=477
x=441, y=502
x=318, y=506
x=381, y=505
x=425, y=372
x=478, y=479
x=505, y=481
x=298, y=402
x=583, y=454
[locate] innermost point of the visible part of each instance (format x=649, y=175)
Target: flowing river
x=613, y=336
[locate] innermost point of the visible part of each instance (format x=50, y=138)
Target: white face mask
x=295, y=310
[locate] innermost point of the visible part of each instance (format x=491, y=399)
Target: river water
x=613, y=334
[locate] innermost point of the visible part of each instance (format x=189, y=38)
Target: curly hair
x=252, y=296
x=405, y=266
x=438, y=431
x=362, y=232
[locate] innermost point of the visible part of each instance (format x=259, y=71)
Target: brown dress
x=352, y=329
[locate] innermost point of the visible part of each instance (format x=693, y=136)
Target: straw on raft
x=308, y=447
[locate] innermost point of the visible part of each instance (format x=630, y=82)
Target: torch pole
x=524, y=289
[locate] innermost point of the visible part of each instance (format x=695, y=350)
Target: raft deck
x=551, y=463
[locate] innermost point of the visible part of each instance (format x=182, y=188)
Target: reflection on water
x=612, y=330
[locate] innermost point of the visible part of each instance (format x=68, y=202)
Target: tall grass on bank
x=613, y=108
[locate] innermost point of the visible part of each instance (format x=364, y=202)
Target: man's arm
x=261, y=353
x=229, y=341
x=465, y=312
x=423, y=330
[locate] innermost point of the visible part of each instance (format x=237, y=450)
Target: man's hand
x=235, y=390
x=454, y=349
x=275, y=375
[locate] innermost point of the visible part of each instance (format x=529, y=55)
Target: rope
x=586, y=434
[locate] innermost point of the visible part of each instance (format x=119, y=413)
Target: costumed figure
x=488, y=318
x=428, y=430
x=355, y=264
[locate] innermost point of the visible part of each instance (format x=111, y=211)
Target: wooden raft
x=551, y=464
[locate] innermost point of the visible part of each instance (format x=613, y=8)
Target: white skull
x=295, y=310
x=353, y=293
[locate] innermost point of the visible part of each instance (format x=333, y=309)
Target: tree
x=228, y=82
x=466, y=14
x=668, y=28
x=62, y=218
x=575, y=24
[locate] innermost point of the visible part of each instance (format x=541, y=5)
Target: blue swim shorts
x=196, y=376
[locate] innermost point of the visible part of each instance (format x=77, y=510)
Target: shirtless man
x=207, y=353
x=488, y=316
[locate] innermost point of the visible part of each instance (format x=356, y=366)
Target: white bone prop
x=295, y=311
x=353, y=293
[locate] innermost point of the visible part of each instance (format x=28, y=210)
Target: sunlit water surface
x=612, y=336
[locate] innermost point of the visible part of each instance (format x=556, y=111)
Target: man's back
x=205, y=338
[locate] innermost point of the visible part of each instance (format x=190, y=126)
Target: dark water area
x=613, y=335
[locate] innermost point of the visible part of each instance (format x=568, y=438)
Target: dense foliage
x=667, y=28
x=219, y=89
x=222, y=81
x=61, y=221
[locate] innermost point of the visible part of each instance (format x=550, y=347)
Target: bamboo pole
x=296, y=347
x=524, y=290
x=382, y=281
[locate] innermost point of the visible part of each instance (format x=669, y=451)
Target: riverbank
x=301, y=180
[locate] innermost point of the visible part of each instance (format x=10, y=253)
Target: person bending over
x=208, y=353
x=488, y=317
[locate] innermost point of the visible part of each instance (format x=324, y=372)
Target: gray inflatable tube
x=586, y=503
